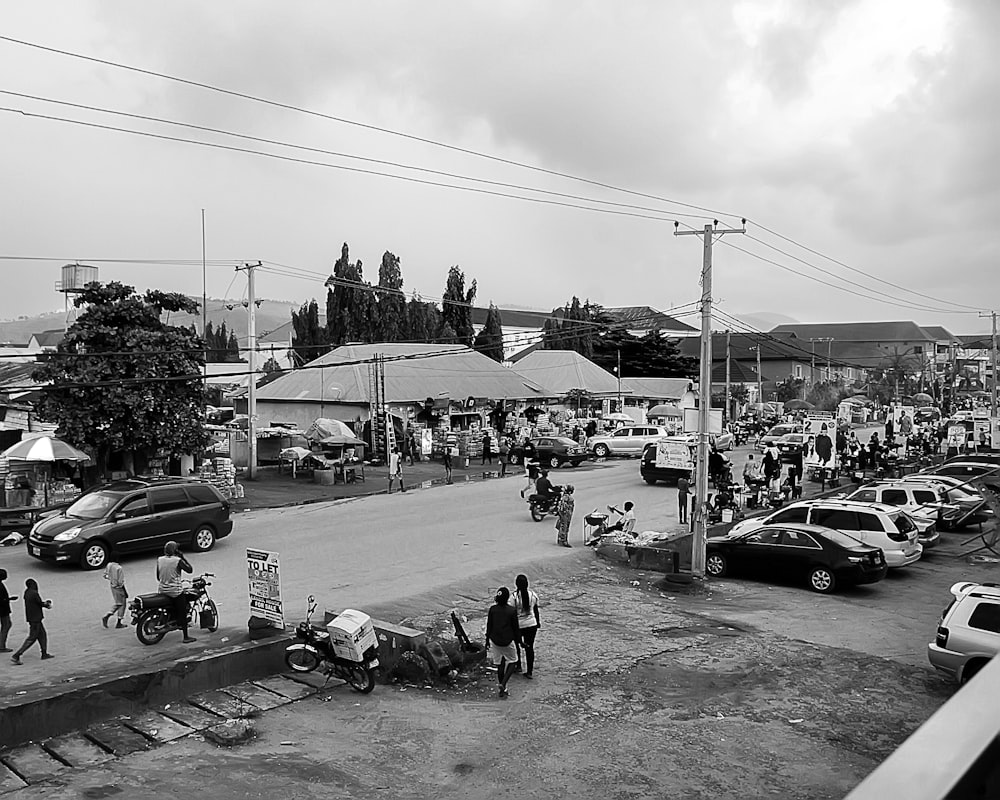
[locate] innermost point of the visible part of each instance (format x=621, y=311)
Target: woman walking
x=564, y=511
x=501, y=634
x=528, y=621
x=33, y=614
x=115, y=575
x=5, y=600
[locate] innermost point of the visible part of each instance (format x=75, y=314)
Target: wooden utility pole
x=700, y=517
x=251, y=367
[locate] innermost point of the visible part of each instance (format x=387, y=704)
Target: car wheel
x=601, y=451
x=514, y=459
x=94, y=555
x=972, y=668
x=554, y=462
x=715, y=565
x=649, y=480
x=203, y=539
x=821, y=580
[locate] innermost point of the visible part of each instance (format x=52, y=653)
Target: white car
x=873, y=523
x=628, y=440
x=926, y=503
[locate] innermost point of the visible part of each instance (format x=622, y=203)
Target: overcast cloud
x=865, y=130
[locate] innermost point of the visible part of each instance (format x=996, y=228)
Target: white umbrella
x=44, y=448
x=619, y=417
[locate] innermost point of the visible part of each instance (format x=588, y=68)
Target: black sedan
x=824, y=557
x=551, y=451
x=793, y=444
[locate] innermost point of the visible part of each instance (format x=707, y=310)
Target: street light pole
x=700, y=517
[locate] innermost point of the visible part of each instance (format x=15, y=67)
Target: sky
x=858, y=139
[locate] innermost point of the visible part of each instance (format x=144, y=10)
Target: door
x=131, y=528
x=841, y=519
x=173, y=515
x=621, y=441
x=800, y=551
x=759, y=552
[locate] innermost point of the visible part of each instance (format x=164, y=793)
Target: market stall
x=336, y=452
x=41, y=472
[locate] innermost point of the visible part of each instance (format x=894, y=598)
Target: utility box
x=351, y=634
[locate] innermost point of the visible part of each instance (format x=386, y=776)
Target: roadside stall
x=40, y=473
x=340, y=456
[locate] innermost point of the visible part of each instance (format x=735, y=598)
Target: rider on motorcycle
x=169, y=567
x=544, y=489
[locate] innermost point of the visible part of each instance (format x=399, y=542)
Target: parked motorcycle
x=540, y=505
x=153, y=614
x=316, y=650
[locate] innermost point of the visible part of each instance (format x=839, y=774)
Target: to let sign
x=264, y=580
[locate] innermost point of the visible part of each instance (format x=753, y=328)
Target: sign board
x=674, y=454
x=264, y=581
x=956, y=436
x=984, y=432
x=714, y=420
x=426, y=442
x=845, y=413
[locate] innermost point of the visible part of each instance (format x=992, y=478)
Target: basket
x=595, y=519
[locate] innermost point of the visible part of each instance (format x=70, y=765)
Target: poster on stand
x=264, y=581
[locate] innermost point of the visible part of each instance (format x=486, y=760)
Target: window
x=836, y=518
x=870, y=522
x=136, y=507
x=794, y=514
x=202, y=495
x=798, y=370
x=986, y=617
x=864, y=496
x=903, y=523
x=621, y=434
x=895, y=497
x=922, y=496
x=764, y=537
x=799, y=539
x=168, y=499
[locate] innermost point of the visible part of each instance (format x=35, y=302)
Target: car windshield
x=779, y=430
x=837, y=537
x=93, y=506
x=567, y=442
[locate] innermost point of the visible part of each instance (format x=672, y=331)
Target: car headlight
x=66, y=535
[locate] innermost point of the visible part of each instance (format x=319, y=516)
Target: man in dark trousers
x=683, y=488
x=33, y=615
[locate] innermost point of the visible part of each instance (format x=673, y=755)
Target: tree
x=489, y=341
x=648, y=356
x=309, y=340
x=344, y=300
x=125, y=385
x=456, y=306
x=423, y=321
x=272, y=371
x=232, y=348
x=391, y=300
x=789, y=389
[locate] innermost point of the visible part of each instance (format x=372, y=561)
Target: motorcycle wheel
x=536, y=513
x=361, y=679
x=301, y=660
x=152, y=626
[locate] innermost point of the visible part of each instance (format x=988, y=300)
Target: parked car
x=968, y=468
x=825, y=558
x=873, y=523
x=969, y=633
x=974, y=509
x=551, y=451
x=924, y=414
x=926, y=503
x=625, y=441
x=667, y=459
x=132, y=516
x=776, y=432
x=792, y=444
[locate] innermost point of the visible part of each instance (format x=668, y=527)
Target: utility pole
x=728, y=412
x=251, y=368
x=700, y=516
x=829, y=347
x=619, y=371
x=760, y=380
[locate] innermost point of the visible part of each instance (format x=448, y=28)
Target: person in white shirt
x=526, y=605
x=396, y=469
x=624, y=527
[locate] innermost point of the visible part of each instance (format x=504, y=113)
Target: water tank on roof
x=75, y=277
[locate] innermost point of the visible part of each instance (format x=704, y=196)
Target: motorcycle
x=540, y=505
x=153, y=614
x=316, y=650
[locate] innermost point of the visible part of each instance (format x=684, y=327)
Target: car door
x=760, y=551
x=173, y=514
x=799, y=551
x=619, y=442
x=840, y=519
x=132, y=524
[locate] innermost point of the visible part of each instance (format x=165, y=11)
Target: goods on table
x=221, y=473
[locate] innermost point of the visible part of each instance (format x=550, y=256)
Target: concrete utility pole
x=728, y=412
x=700, y=517
x=619, y=372
x=251, y=368
x=760, y=380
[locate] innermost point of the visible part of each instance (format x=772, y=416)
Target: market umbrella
x=798, y=405
x=859, y=400
x=44, y=448
x=342, y=440
x=665, y=410
x=324, y=428
x=922, y=399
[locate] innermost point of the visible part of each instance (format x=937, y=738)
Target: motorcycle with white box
x=347, y=648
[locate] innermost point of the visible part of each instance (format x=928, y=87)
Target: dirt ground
x=640, y=690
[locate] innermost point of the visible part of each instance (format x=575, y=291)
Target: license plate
x=34, y=550
x=373, y=662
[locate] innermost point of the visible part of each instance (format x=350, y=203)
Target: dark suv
x=132, y=516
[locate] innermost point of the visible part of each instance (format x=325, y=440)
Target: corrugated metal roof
x=657, y=388
x=413, y=372
x=561, y=371
x=902, y=331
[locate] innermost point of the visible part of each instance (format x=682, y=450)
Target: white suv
x=872, y=523
x=926, y=503
x=626, y=441
x=969, y=633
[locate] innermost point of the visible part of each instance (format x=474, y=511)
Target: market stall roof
x=665, y=410
x=562, y=371
x=413, y=372
x=669, y=389
x=44, y=448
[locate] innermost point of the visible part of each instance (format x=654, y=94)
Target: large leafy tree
x=391, y=300
x=489, y=341
x=648, y=356
x=456, y=306
x=309, y=340
x=423, y=321
x=123, y=384
x=344, y=299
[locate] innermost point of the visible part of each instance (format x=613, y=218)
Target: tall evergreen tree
x=343, y=300
x=456, y=308
x=489, y=341
x=309, y=340
x=233, y=348
x=423, y=321
x=391, y=301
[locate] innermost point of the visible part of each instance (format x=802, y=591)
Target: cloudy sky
x=863, y=130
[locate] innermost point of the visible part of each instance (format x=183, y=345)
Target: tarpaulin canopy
x=665, y=410
x=324, y=428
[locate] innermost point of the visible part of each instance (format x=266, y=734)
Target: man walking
x=33, y=615
x=115, y=575
x=5, y=601
x=683, y=487
x=396, y=469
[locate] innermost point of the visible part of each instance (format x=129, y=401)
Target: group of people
x=34, y=615
x=511, y=629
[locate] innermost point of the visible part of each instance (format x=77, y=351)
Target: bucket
x=727, y=515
